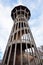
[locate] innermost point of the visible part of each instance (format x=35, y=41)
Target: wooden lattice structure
x=21, y=48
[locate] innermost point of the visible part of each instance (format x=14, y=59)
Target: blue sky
x=6, y=23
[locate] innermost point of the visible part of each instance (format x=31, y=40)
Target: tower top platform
x=21, y=11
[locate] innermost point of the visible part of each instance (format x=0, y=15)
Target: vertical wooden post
x=9, y=55
x=31, y=45
x=4, y=58
x=28, y=61
x=15, y=53
x=21, y=54
x=21, y=41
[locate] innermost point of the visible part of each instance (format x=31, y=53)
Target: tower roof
x=23, y=9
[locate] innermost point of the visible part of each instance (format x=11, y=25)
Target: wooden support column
x=15, y=26
x=24, y=13
x=9, y=55
x=28, y=61
x=31, y=45
x=36, y=51
x=21, y=54
x=27, y=15
x=21, y=43
x=4, y=58
x=16, y=12
x=13, y=15
x=15, y=54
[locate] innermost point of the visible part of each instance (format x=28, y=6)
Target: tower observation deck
x=21, y=48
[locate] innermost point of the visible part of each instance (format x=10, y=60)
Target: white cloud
x=19, y=2
x=37, y=29
x=5, y=26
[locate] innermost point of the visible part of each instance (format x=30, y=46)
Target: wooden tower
x=21, y=48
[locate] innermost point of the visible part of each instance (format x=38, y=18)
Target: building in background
x=40, y=50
